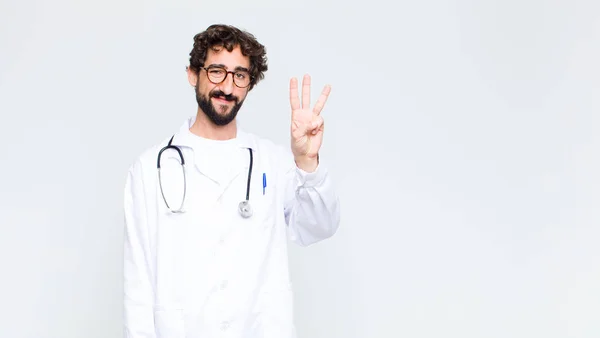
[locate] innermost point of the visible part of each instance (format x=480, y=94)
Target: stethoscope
x=244, y=207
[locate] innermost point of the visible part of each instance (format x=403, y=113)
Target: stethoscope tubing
x=244, y=206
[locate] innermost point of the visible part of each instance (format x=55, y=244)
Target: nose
x=227, y=85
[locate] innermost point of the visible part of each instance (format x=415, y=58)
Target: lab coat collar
x=183, y=137
x=216, y=172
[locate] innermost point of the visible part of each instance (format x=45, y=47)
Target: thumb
x=317, y=123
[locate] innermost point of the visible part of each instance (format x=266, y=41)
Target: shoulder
x=278, y=155
x=147, y=159
x=268, y=147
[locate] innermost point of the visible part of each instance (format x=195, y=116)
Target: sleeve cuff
x=312, y=179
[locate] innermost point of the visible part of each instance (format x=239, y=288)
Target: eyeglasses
x=217, y=75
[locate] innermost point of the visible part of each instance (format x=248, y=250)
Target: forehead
x=230, y=60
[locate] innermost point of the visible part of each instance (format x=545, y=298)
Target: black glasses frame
x=226, y=75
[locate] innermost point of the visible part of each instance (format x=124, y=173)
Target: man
x=206, y=247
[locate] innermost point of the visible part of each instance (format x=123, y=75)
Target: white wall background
x=464, y=137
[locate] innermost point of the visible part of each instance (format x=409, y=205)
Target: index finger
x=294, y=100
x=306, y=92
x=322, y=99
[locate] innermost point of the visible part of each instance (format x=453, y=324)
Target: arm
x=312, y=208
x=138, y=290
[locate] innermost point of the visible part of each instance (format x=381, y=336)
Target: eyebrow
x=238, y=68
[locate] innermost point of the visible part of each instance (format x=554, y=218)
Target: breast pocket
x=169, y=323
x=265, y=205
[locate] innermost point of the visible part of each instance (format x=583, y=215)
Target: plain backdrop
x=463, y=136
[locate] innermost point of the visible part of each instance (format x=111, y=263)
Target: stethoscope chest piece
x=245, y=209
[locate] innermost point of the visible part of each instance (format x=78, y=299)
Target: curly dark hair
x=219, y=36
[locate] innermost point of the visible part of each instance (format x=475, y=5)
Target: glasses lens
x=241, y=78
x=216, y=75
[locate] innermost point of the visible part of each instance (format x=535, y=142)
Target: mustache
x=220, y=94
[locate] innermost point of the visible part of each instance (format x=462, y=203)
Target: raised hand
x=307, y=124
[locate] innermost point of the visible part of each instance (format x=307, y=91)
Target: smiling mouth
x=222, y=99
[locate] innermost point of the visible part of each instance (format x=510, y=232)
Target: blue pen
x=264, y=182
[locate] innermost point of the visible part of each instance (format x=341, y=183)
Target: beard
x=218, y=115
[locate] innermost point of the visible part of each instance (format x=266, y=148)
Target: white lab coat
x=209, y=272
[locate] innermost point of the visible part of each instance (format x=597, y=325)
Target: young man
x=206, y=247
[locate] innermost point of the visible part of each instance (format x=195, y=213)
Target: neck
x=205, y=128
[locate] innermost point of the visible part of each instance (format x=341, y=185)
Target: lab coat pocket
x=276, y=318
x=266, y=212
x=169, y=323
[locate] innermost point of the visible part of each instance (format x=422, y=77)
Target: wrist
x=306, y=163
